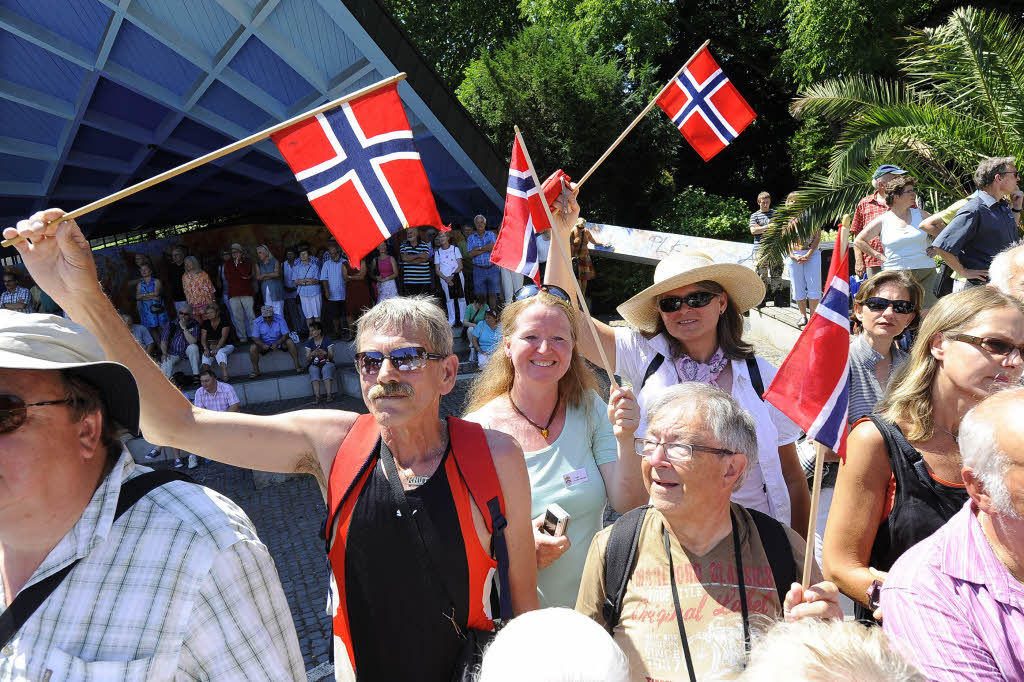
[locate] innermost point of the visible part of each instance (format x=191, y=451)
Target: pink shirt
x=953, y=609
x=220, y=401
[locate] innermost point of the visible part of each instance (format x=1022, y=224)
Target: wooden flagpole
x=216, y=154
x=639, y=118
x=819, y=451
x=560, y=247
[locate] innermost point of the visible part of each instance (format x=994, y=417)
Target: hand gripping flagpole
x=842, y=243
x=565, y=259
x=639, y=117
x=214, y=155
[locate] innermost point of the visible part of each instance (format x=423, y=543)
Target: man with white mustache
x=410, y=590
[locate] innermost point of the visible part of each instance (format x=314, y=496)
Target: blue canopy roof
x=96, y=95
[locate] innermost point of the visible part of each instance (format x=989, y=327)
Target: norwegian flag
x=525, y=215
x=813, y=385
x=705, y=105
x=360, y=170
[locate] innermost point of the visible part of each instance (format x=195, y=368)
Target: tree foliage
x=698, y=213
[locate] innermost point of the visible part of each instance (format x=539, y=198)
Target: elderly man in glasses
x=707, y=574
x=112, y=571
x=410, y=539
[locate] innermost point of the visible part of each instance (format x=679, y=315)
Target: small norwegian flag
x=360, y=170
x=812, y=387
x=525, y=216
x=705, y=106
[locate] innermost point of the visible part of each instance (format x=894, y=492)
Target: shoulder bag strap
x=779, y=551
x=651, y=369
x=755, y=377
x=31, y=598
x=351, y=460
x=619, y=560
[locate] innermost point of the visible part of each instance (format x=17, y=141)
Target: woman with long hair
x=901, y=478
x=537, y=389
x=199, y=290
x=688, y=326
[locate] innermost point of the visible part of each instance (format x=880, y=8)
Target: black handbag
x=474, y=641
x=944, y=282
x=156, y=308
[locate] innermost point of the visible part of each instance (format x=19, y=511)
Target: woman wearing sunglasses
x=901, y=478
x=688, y=326
x=537, y=389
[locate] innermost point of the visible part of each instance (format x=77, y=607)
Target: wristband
x=1016, y=210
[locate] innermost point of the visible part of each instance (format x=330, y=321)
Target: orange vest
x=470, y=472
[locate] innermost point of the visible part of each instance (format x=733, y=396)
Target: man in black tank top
x=406, y=365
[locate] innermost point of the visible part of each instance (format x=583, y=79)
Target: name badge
x=575, y=477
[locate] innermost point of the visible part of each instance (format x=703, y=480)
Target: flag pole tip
x=516, y=128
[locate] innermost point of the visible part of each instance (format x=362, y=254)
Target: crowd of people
x=440, y=530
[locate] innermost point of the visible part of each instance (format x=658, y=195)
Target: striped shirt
x=180, y=588
x=223, y=398
x=953, y=609
x=869, y=208
x=415, y=273
x=865, y=391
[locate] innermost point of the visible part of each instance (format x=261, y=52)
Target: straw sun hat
x=743, y=286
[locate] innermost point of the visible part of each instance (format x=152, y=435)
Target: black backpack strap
x=651, y=369
x=619, y=560
x=779, y=551
x=31, y=598
x=755, y=377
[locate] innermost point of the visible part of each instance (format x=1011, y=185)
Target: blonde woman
x=538, y=389
x=199, y=290
x=901, y=478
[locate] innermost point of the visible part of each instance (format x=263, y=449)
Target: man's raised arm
x=60, y=260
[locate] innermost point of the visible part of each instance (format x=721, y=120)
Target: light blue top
x=488, y=338
x=475, y=241
x=586, y=442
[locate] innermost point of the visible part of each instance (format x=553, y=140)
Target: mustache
x=389, y=390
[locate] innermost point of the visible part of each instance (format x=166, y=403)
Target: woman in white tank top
x=906, y=244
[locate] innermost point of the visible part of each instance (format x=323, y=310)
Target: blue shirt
x=331, y=273
x=981, y=228
x=488, y=338
x=310, y=270
x=270, y=332
x=475, y=241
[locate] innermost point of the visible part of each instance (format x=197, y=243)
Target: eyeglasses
x=404, y=359
x=1014, y=173
x=530, y=290
x=994, y=346
x=906, y=190
x=676, y=452
x=877, y=304
x=14, y=410
x=698, y=299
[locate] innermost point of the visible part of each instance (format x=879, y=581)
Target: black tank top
x=395, y=601
x=921, y=505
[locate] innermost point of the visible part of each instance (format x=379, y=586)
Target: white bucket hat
x=743, y=286
x=48, y=342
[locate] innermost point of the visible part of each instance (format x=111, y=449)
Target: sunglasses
x=14, y=410
x=698, y=299
x=404, y=359
x=994, y=346
x=877, y=304
x=530, y=290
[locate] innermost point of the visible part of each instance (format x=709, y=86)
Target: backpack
x=620, y=558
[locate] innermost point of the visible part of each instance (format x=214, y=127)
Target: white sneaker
x=177, y=463
x=472, y=355
x=193, y=461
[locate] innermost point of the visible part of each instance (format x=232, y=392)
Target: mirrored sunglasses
x=698, y=299
x=404, y=359
x=531, y=290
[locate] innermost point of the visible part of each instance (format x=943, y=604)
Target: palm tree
x=959, y=98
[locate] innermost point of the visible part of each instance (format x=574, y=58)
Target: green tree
x=959, y=97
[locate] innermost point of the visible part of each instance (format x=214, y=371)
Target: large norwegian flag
x=360, y=169
x=706, y=107
x=813, y=385
x=525, y=215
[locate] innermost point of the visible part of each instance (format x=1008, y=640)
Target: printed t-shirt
x=449, y=259
x=566, y=473
x=708, y=599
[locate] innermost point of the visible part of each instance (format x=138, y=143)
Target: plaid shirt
x=869, y=208
x=176, y=337
x=180, y=588
x=220, y=401
x=19, y=295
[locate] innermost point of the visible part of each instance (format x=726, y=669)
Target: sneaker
x=153, y=454
x=193, y=461
x=177, y=463
x=472, y=356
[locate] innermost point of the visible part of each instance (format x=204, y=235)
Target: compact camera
x=556, y=520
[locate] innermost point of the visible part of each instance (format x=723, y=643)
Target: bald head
x=1006, y=272
x=991, y=441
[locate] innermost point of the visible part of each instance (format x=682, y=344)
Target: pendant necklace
x=543, y=429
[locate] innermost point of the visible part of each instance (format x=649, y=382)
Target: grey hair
x=420, y=311
x=195, y=262
x=523, y=650
x=730, y=424
x=981, y=454
x=999, y=269
x=480, y=216
x=270, y=254
x=989, y=168
x=825, y=650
